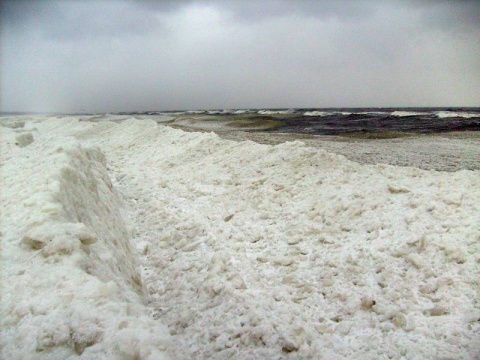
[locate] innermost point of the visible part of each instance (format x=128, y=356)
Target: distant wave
x=274, y=112
x=407, y=113
x=317, y=113
x=452, y=114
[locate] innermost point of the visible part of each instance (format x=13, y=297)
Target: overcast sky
x=97, y=56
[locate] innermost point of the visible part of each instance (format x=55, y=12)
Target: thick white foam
x=291, y=249
x=280, y=251
x=70, y=277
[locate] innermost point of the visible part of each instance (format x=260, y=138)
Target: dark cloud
x=73, y=20
x=451, y=15
x=134, y=55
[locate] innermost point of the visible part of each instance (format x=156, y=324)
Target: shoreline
x=448, y=151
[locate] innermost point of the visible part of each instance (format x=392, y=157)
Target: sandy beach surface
x=131, y=239
x=443, y=152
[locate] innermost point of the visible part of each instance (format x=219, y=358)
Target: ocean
x=327, y=121
x=419, y=120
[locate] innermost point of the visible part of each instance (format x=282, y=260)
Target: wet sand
x=444, y=152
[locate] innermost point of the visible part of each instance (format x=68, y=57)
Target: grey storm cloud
x=69, y=56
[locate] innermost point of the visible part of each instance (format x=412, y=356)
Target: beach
x=138, y=239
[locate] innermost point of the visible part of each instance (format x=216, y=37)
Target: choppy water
x=341, y=121
x=336, y=121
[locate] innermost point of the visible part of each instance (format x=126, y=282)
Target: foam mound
x=71, y=285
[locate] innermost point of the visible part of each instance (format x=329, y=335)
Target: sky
x=139, y=55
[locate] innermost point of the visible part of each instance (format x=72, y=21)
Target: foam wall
x=70, y=280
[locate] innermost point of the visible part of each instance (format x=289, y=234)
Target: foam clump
x=24, y=139
x=71, y=285
x=16, y=124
